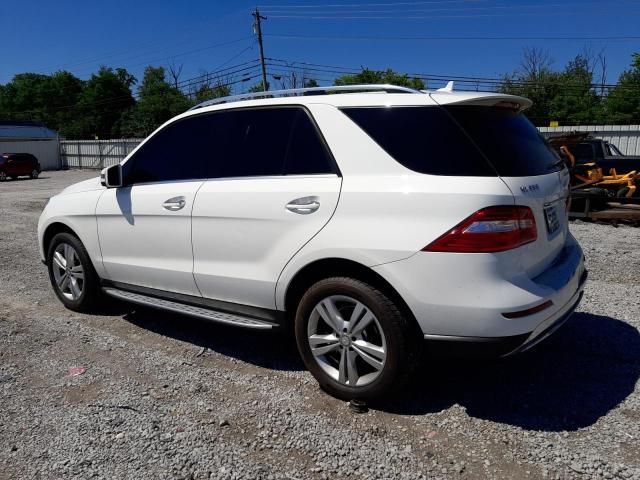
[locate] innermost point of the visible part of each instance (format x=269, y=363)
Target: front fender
x=76, y=211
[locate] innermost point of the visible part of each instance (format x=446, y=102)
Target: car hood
x=84, y=186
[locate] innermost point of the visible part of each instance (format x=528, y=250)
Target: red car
x=14, y=165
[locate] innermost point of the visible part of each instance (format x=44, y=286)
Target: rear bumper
x=477, y=298
x=547, y=329
x=512, y=345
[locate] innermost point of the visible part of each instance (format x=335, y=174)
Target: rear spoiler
x=445, y=98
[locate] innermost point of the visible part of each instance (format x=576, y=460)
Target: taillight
x=492, y=229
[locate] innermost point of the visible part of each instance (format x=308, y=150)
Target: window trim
x=332, y=161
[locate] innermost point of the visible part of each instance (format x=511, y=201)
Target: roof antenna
x=448, y=88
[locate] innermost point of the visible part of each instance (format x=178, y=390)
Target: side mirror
x=111, y=177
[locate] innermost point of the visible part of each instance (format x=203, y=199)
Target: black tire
x=3, y=176
x=89, y=297
x=400, y=335
x=34, y=174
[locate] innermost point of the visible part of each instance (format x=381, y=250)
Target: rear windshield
x=458, y=140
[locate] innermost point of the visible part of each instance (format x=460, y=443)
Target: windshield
x=614, y=150
x=459, y=140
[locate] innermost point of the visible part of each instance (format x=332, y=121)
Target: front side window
x=177, y=152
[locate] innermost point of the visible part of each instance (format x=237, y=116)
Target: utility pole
x=257, y=29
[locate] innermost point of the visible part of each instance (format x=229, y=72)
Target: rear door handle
x=304, y=205
x=174, y=204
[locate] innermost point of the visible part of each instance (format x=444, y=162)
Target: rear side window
x=307, y=153
x=258, y=144
x=267, y=142
x=458, y=140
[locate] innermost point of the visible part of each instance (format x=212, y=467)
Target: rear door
x=272, y=186
x=531, y=169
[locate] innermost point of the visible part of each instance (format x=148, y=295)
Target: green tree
x=576, y=101
x=622, y=104
x=63, y=102
x=217, y=89
x=158, y=102
x=367, y=76
x=536, y=81
x=104, y=97
x=60, y=112
x=257, y=88
x=47, y=99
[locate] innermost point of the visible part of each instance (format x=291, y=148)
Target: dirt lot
x=165, y=396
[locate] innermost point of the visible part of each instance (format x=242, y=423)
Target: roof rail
x=307, y=91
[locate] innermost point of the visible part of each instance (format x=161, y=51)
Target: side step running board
x=205, y=313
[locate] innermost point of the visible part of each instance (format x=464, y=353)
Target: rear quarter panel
x=386, y=212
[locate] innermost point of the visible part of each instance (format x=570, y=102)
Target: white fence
x=625, y=137
x=95, y=153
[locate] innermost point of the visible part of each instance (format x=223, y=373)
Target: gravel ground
x=165, y=396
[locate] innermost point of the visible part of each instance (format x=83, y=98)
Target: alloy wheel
x=34, y=174
x=68, y=272
x=346, y=340
x=3, y=176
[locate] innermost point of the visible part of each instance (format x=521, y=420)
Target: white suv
x=367, y=222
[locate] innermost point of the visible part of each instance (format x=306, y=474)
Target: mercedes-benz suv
x=367, y=222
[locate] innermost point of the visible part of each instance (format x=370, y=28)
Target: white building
x=33, y=138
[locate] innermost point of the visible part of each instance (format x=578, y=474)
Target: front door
x=145, y=235
x=144, y=227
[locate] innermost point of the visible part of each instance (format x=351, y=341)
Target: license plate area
x=552, y=220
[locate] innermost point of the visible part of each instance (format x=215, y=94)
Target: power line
x=437, y=38
x=430, y=10
x=479, y=81
x=228, y=71
x=184, y=53
x=436, y=17
x=394, y=4
x=142, y=46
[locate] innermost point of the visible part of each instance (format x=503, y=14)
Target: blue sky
x=44, y=36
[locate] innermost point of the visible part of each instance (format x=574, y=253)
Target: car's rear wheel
x=34, y=174
x=354, y=339
x=3, y=176
x=71, y=272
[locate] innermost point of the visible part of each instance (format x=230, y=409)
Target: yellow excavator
x=596, y=195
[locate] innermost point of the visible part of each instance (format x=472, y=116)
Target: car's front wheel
x=3, y=176
x=71, y=272
x=354, y=339
x=34, y=174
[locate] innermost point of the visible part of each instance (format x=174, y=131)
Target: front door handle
x=174, y=204
x=304, y=205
